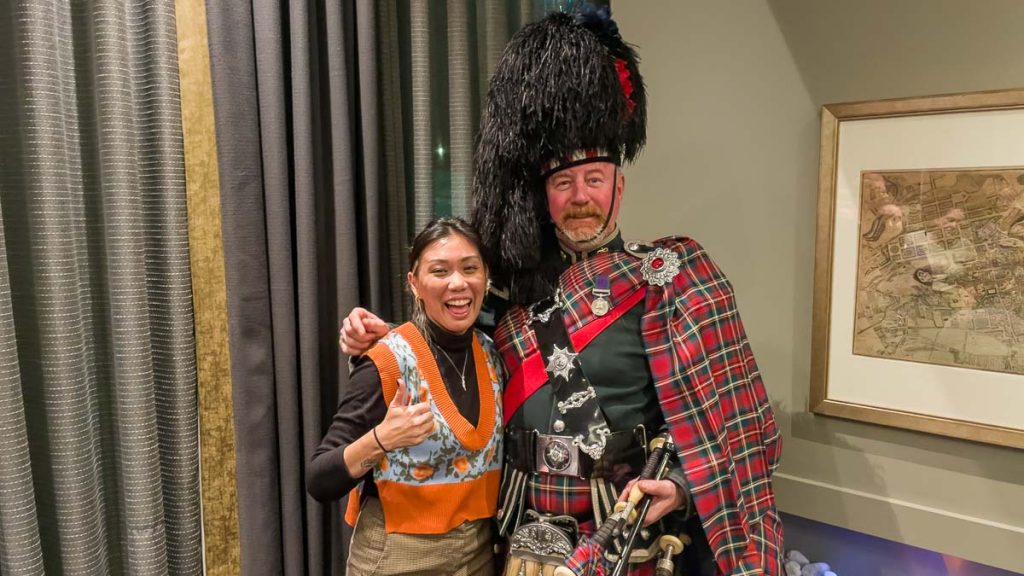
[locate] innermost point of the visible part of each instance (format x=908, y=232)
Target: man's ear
x=620, y=183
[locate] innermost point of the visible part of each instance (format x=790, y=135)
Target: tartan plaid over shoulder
x=710, y=391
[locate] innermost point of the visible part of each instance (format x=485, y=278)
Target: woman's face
x=451, y=279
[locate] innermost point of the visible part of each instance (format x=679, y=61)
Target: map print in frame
x=940, y=269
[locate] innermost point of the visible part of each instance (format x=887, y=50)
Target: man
x=607, y=342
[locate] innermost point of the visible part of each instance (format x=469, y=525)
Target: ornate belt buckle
x=557, y=455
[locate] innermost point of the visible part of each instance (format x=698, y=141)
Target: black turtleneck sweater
x=362, y=407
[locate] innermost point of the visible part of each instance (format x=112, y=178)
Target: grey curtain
x=313, y=224
x=452, y=48
x=336, y=140
x=99, y=458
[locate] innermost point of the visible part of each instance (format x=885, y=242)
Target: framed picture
x=919, y=265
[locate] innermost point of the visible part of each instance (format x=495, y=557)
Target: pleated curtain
x=342, y=128
x=99, y=461
x=312, y=224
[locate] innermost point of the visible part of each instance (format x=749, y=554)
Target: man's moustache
x=580, y=214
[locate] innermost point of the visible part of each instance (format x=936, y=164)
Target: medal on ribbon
x=602, y=289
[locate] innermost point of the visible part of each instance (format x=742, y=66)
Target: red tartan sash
x=530, y=376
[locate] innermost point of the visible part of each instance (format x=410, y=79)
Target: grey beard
x=599, y=238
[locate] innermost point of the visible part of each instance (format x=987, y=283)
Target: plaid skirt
x=466, y=550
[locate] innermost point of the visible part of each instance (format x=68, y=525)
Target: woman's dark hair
x=439, y=228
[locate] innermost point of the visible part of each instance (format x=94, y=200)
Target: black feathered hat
x=566, y=90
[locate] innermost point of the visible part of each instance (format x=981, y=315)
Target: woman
x=419, y=425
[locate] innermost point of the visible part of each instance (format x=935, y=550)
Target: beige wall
x=735, y=91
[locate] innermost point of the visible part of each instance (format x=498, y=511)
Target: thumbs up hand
x=405, y=424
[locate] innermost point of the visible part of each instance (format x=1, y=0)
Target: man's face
x=579, y=198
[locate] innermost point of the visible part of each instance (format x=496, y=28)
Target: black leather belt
x=531, y=451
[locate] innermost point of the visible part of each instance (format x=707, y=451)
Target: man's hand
x=666, y=496
x=360, y=331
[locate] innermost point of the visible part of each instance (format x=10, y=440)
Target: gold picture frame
x=859, y=142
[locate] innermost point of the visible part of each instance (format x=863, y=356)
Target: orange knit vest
x=453, y=476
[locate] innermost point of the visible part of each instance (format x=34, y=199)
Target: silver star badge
x=560, y=362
